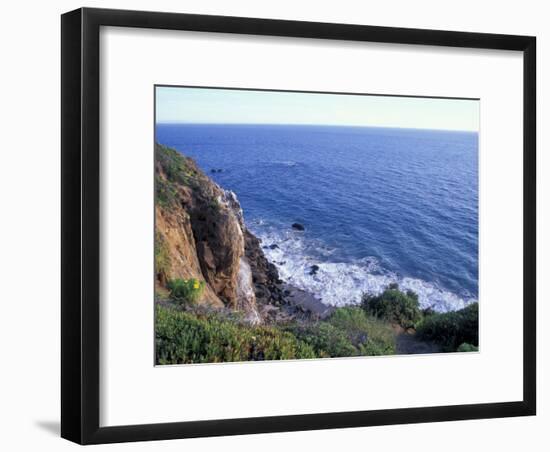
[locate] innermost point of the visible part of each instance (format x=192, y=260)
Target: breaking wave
x=342, y=283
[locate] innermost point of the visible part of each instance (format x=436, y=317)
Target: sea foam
x=343, y=283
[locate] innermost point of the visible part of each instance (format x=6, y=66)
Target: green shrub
x=165, y=192
x=186, y=337
x=186, y=290
x=451, y=329
x=326, y=340
x=369, y=335
x=394, y=306
x=347, y=332
x=172, y=170
x=465, y=347
x=174, y=165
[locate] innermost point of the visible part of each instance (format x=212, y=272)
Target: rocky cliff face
x=200, y=233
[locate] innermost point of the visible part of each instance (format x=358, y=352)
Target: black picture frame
x=80, y=262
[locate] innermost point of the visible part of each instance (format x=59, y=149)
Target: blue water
x=379, y=205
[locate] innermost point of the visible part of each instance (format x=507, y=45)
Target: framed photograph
x=275, y=225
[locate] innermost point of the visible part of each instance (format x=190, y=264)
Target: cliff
x=200, y=233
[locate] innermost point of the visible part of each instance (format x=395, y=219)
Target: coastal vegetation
x=394, y=306
x=184, y=337
x=186, y=290
x=203, y=335
x=454, y=331
x=176, y=171
x=186, y=333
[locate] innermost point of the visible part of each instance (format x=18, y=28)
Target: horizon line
x=310, y=124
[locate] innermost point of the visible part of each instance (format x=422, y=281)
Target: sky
x=229, y=106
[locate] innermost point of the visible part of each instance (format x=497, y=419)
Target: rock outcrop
x=264, y=274
x=200, y=233
x=176, y=251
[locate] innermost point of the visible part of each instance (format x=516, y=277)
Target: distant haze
x=231, y=106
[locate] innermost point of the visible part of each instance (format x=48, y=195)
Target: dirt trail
x=408, y=344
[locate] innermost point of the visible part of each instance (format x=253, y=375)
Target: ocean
x=378, y=205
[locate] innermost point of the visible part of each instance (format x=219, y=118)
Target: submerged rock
x=298, y=226
x=313, y=270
